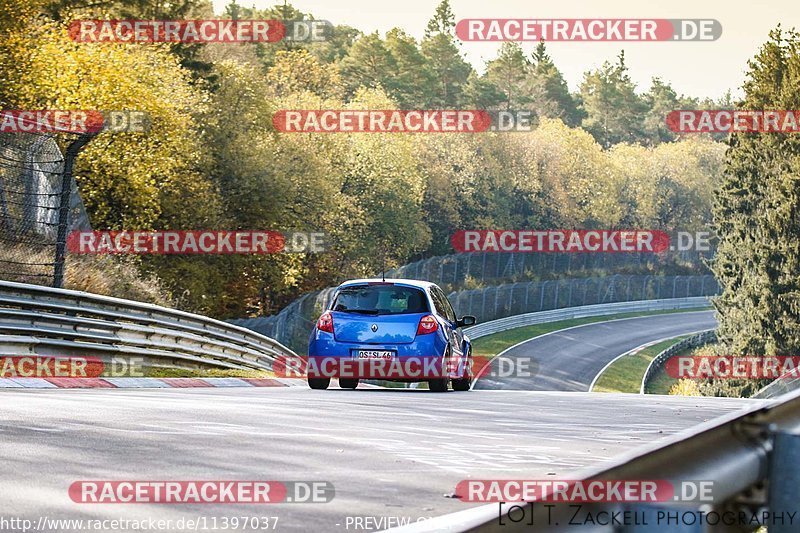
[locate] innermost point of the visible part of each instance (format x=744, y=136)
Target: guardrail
x=658, y=361
x=784, y=384
x=45, y=321
x=752, y=457
x=556, y=315
x=292, y=325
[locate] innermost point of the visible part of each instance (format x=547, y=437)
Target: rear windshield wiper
x=359, y=311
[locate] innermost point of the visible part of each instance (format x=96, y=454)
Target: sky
x=700, y=69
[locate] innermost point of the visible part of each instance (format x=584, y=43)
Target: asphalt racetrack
x=392, y=455
x=569, y=359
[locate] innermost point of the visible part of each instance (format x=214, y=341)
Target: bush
x=114, y=276
x=105, y=275
x=685, y=387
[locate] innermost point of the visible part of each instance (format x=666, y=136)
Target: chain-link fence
x=34, y=215
x=293, y=324
x=462, y=270
x=518, y=298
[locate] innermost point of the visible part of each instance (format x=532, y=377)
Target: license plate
x=374, y=354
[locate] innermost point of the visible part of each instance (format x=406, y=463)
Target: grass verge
x=494, y=344
x=625, y=374
x=663, y=382
x=208, y=373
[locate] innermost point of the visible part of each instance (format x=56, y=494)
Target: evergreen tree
x=615, y=112
x=660, y=101
x=369, y=64
x=412, y=77
x=548, y=92
x=757, y=215
x=508, y=72
x=443, y=21
x=444, y=58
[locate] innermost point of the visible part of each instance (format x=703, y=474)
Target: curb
x=143, y=383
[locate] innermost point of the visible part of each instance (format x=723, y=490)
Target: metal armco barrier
x=751, y=456
x=36, y=320
x=658, y=361
x=556, y=315
x=294, y=323
x=780, y=386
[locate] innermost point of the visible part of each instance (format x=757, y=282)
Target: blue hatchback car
x=394, y=329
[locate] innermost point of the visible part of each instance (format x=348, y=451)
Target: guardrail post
x=555, y=298
x=542, y=288
x=527, y=287
x=569, y=301
x=784, y=482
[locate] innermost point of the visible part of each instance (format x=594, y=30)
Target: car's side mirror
x=466, y=320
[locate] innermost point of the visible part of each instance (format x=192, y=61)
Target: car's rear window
x=381, y=300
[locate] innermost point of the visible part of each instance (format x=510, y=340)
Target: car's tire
x=465, y=381
x=319, y=383
x=462, y=385
x=348, y=383
x=438, y=385
x=441, y=385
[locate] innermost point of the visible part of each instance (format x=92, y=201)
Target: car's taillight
x=325, y=322
x=427, y=324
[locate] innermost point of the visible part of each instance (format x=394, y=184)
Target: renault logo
x=374, y=327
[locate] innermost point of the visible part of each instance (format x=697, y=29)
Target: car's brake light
x=325, y=322
x=427, y=324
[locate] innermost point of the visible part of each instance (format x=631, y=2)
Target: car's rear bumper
x=420, y=360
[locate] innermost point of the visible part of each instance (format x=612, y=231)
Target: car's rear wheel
x=348, y=383
x=438, y=385
x=441, y=385
x=465, y=381
x=319, y=383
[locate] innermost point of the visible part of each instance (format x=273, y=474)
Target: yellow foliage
x=685, y=387
x=127, y=179
x=298, y=71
